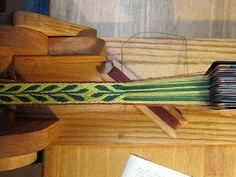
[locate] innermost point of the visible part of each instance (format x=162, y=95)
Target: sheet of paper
x=138, y=167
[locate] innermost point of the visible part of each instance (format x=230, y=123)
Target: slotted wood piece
x=81, y=58
x=51, y=26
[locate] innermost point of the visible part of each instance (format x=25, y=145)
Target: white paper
x=138, y=167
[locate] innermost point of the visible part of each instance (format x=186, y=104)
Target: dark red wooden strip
x=118, y=75
x=165, y=116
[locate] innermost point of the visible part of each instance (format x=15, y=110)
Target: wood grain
x=125, y=124
x=110, y=160
x=19, y=41
x=58, y=68
x=167, y=56
x=50, y=26
x=76, y=46
x=124, y=18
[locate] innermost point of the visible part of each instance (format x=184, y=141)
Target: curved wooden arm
x=51, y=26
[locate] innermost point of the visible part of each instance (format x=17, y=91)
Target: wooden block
x=71, y=59
x=51, y=26
x=58, y=68
x=77, y=46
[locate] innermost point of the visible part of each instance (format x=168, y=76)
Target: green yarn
x=185, y=90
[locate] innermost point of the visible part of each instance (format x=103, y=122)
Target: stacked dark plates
x=222, y=79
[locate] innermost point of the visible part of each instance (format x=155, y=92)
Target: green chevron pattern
x=185, y=90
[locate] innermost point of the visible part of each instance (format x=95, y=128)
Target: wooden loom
x=55, y=47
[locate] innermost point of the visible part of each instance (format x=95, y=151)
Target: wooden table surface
x=98, y=145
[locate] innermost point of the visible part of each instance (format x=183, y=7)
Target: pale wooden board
x=191, y=18
x=169, y=57
x=109, y=161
